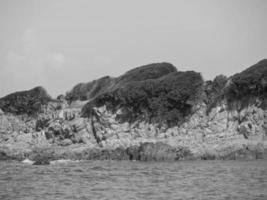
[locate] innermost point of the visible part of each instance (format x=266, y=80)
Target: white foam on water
x=61, y=161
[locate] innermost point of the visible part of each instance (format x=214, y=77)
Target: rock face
x=151, y=113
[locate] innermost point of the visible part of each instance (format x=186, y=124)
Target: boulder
x=43, y=156
x=157, y=152
x=133, y=152
x=23, y=140
x=28, y=161
x=65, y=142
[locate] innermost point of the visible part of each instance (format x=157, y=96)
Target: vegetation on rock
x=249, y=84
x=43, y=130
x=214, y=91
x=156, y=93
x=25, y=102
x=85, y=91
x=240, y=90
x=90, y=90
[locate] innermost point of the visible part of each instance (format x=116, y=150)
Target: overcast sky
x=60, y=43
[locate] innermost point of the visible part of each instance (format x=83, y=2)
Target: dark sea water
x=135, y=180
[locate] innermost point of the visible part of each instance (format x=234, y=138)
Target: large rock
x=157, y=152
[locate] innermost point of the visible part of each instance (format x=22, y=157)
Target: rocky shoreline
x=140, y=115
x=145, y=152
x=187, y=142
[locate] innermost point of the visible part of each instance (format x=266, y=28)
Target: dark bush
x=166, y=99
x=214, y=88
x=142, y=73
x=25, y=102
x=240, y=90
x=90, y=90
x=214, y=91
x=248, y=85
x=41, y=124
x=84, y=91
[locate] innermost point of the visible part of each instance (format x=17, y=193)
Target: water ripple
x=201, y=180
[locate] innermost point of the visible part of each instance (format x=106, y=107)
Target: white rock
x=62, y=161
x=28, y=161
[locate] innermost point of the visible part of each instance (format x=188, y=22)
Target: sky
x=59, y=43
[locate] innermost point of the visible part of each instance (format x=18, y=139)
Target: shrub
x=168, y=98
x=84, y=91
x=25, y=102
x=214, y=91
x=248, y=85
x=240, y=90
x=90, y=90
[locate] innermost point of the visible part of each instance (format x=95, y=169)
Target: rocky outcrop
x=151, y=113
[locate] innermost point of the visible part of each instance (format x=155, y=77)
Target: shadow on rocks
x=43, y=156
x=158, y=152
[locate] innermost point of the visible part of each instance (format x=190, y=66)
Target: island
x=151, y=113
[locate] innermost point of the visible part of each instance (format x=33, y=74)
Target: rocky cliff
x=152, y=112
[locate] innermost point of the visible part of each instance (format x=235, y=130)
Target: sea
x=89, y=180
